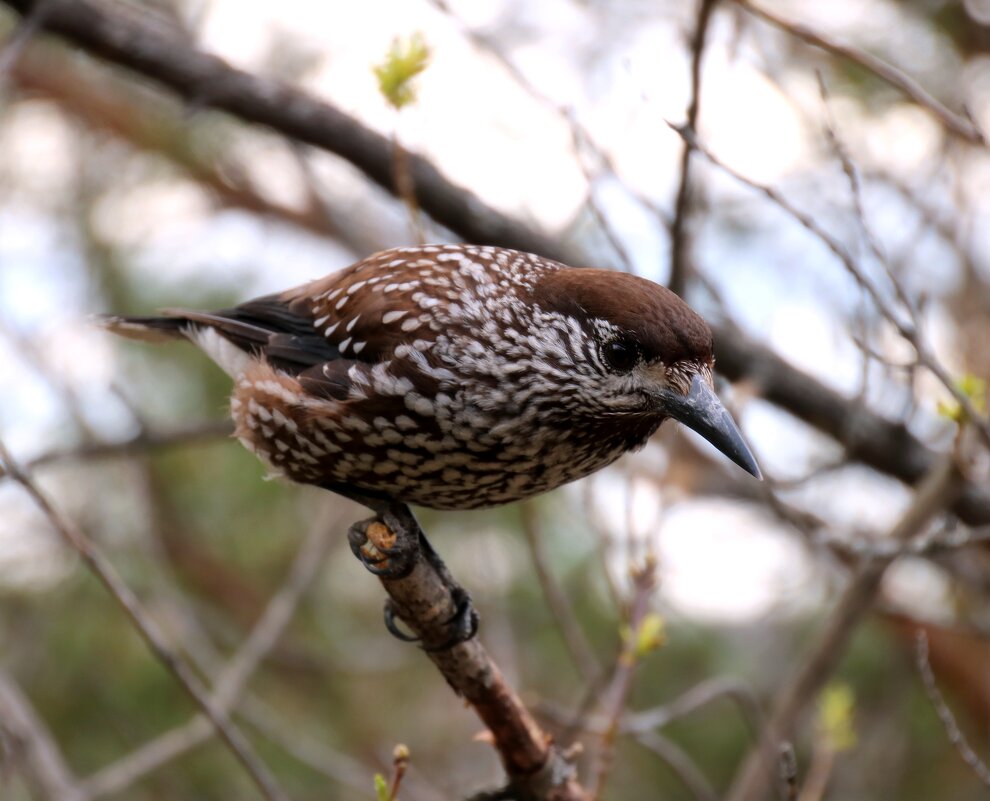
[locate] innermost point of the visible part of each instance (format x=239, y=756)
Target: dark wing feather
x=267, y=327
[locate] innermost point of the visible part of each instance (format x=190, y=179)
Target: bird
x=457, y=377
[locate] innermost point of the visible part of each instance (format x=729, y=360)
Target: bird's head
x=646, y=353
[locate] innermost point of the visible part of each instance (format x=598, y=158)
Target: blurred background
x=864, y=272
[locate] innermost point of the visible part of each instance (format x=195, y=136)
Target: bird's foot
x=389, y=546
x=460, y=627
x=389, y=552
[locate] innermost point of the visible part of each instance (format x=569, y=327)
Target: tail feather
x=147, y=329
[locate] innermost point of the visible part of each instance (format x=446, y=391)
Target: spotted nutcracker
x=456, y=376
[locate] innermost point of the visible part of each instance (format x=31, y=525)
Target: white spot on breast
x=358, y=347
x=319, y=321
x=417, y=403
x=393, y=316
x=259, y=411
x=285, y=422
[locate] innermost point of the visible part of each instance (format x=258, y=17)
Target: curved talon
x=463, y=624
x=392, y=626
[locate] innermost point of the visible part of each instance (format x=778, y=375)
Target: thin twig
x=680, y=763
x=952, y=730
x=34, y=754
x=232, y=679
x=140, y=443
x=679, y=265
x=617, y=693
x=150, y=632
x=906, y=329
x=575, y=641
x=693, y=699
x=798, y=690
x=957, y=125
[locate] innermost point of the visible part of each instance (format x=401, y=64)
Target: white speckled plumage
x=451, y=376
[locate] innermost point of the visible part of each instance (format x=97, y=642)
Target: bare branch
x=574, y=638
x=679, y=265
x=957, y=125
x=424, y=601
x=34, y=752
x=952, y=730
x=933, y=495
x=149, y=631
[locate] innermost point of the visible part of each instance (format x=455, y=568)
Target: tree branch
x=34, y=753
x=679, y=265
x=150, y=632
x=955, y=124
x=933, y=495
x=423, y=600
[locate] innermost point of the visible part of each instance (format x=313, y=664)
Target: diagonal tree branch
x=934, y=494
x=124, y=35
x=955, y=124
x=34, y=752
x=150, y=632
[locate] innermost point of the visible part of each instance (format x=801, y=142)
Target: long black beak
x=702, y=411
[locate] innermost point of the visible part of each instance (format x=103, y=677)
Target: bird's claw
x=462, y=626
x=384, y=551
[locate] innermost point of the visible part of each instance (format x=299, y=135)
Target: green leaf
x=404, y=61
x=649, y=635
x=836, y=708
x=974, y=388
x=381, y=788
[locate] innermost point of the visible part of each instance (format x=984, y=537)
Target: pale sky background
x=623, y=75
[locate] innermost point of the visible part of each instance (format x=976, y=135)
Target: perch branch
x=423, y=601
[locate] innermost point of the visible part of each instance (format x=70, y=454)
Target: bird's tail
x=148, y=329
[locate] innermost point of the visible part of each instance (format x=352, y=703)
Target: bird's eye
x=620, y=355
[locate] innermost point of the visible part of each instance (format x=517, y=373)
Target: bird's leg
x=462, y=625
x=391, y=545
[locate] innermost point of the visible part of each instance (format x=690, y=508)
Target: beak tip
x=702, y=411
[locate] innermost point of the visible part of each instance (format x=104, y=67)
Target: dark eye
x=620, y=355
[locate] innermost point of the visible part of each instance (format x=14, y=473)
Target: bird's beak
x=702, y=411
